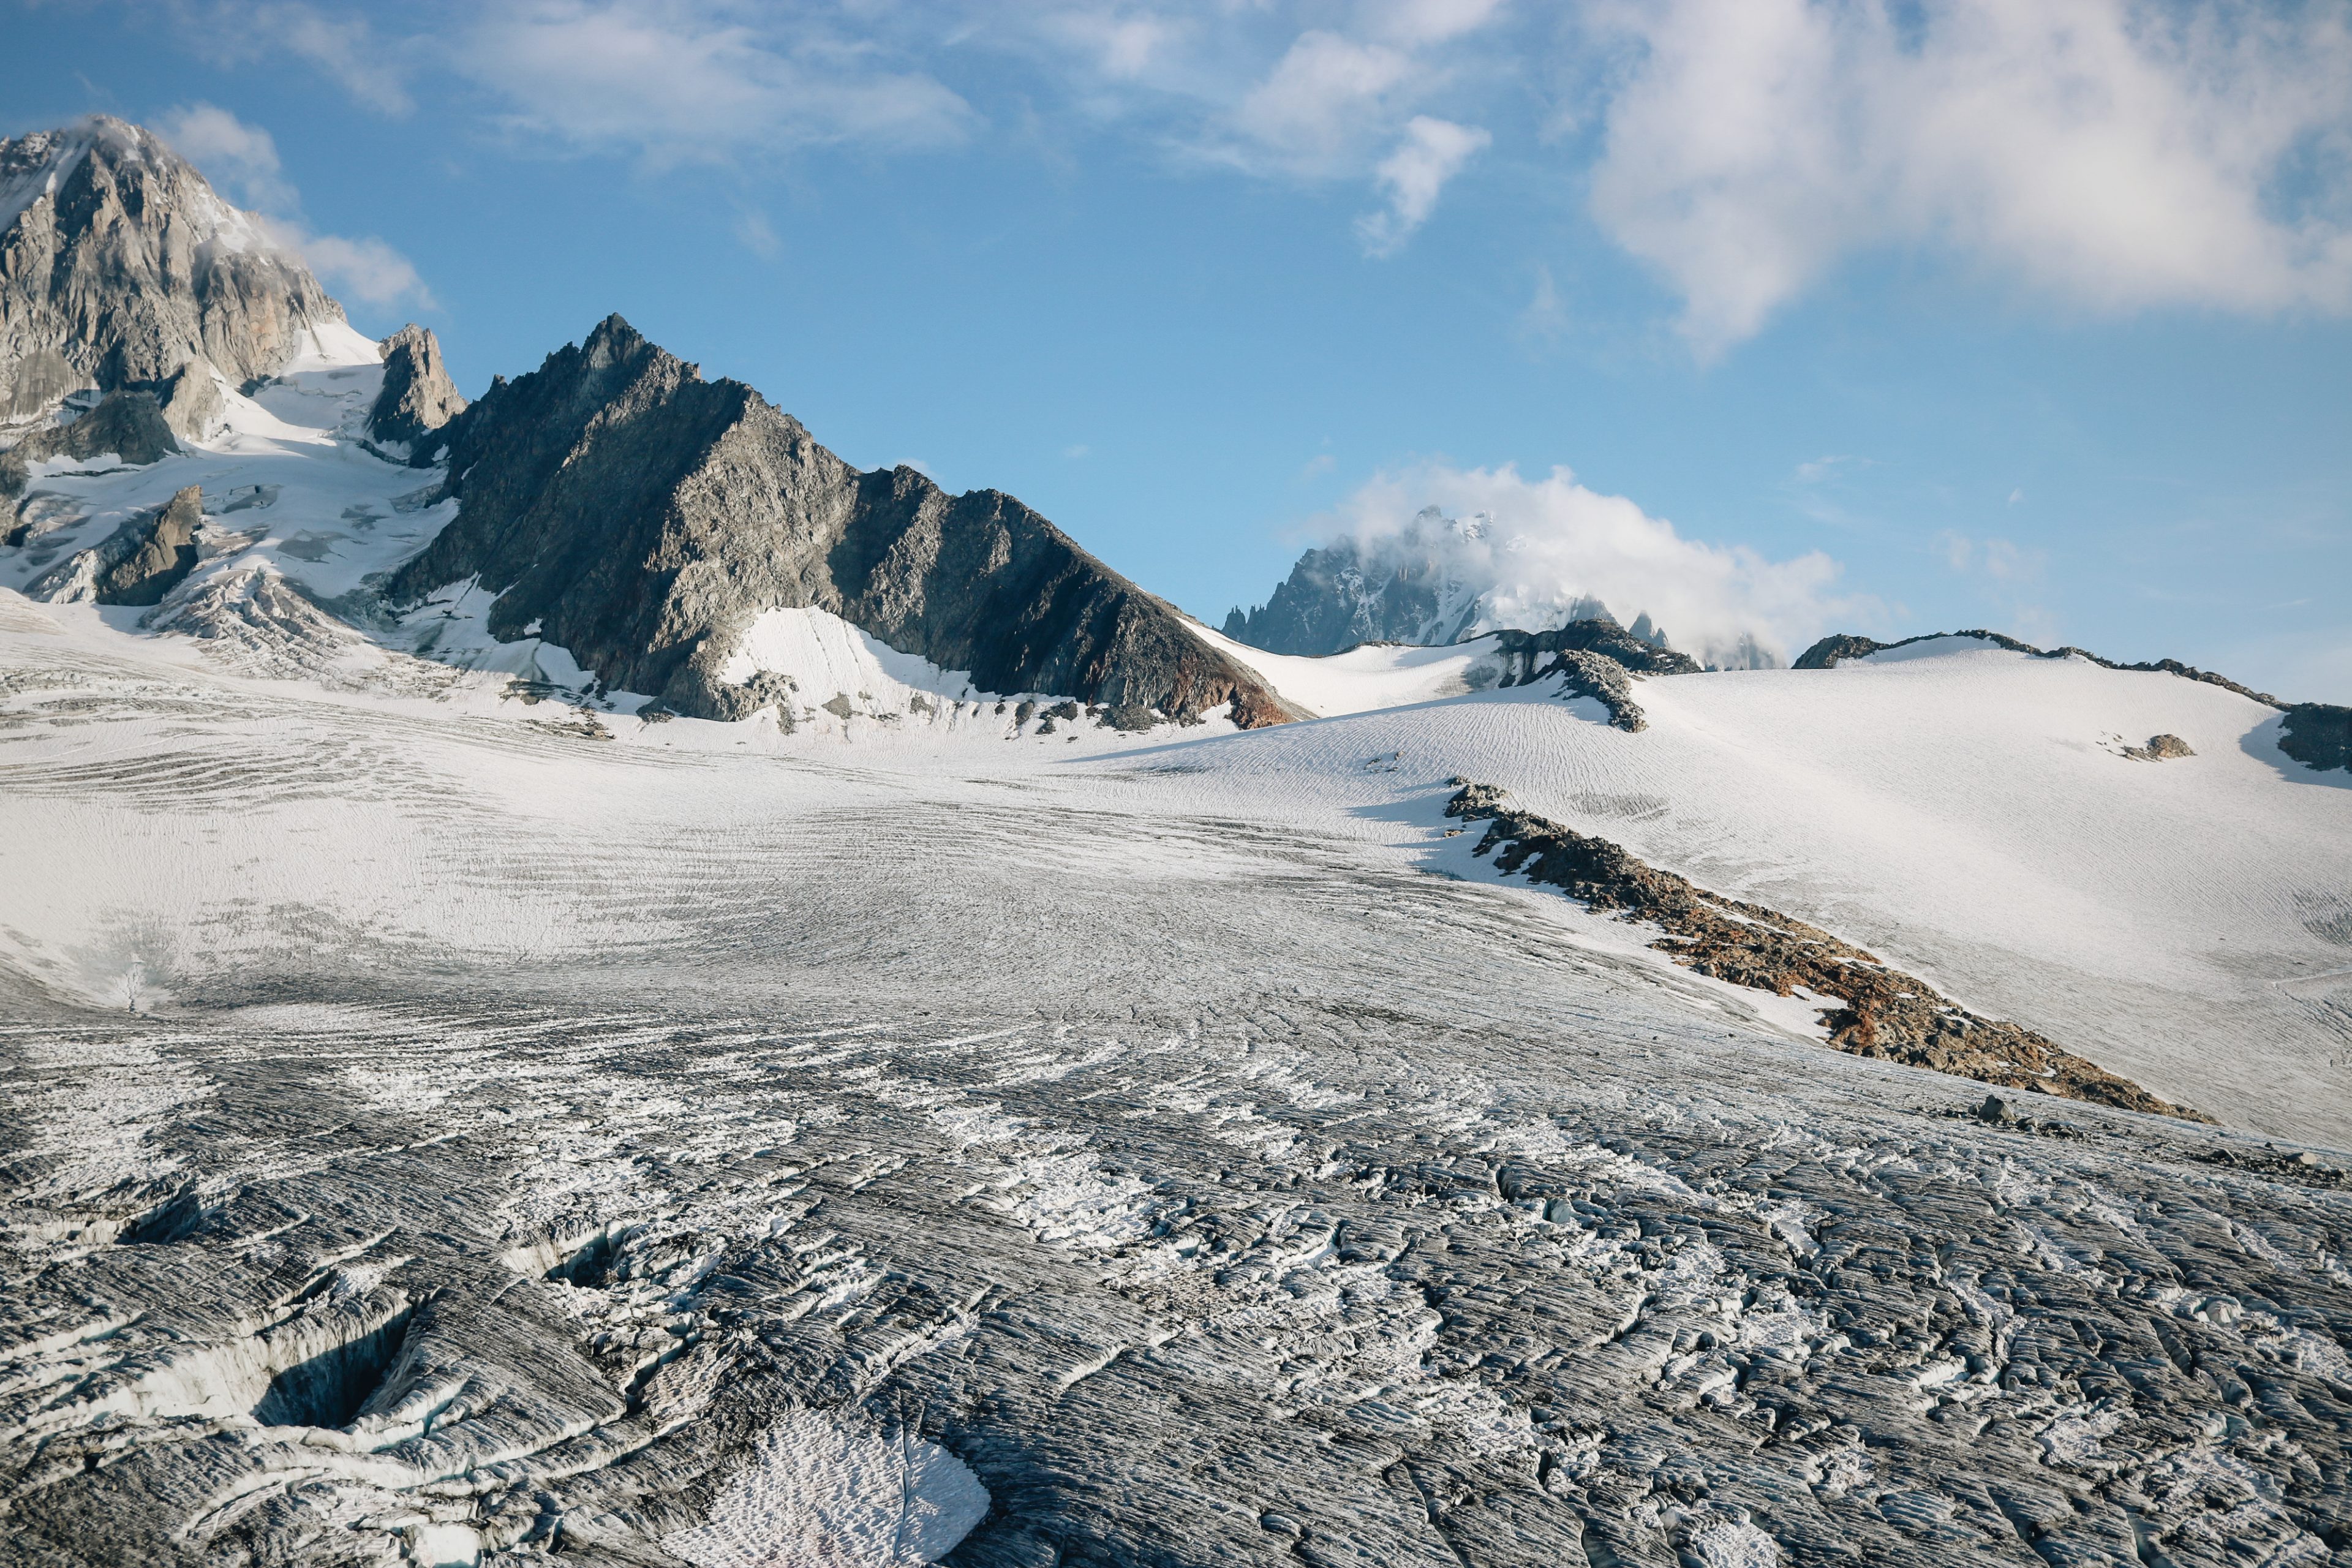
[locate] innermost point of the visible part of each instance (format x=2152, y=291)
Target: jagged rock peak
x=120, y=266
x=418, y=397
x=644, y=518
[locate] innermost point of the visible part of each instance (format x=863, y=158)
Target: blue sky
x=1878, y=316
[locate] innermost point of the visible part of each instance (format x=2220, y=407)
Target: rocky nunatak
x=1880, y=1011
x=643, y=518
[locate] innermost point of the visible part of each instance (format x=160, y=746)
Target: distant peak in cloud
x=1533, y=553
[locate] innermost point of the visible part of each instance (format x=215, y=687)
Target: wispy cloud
x=676, y=81
x=1543, y=319
x=372, y=67
x=2115, y=155
x=1432, y=152
x=242, y=159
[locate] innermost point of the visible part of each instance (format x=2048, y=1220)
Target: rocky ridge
x=2316, y=734
x=418, y=397
x=643, y=518
x=1876, y=1010
x=121, y=267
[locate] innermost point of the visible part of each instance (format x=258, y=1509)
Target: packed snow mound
x=1375, y=675
x=1971, y=814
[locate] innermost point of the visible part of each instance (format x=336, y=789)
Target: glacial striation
x=119, y=266
x=643, y=518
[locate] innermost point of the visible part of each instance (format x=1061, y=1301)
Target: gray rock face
x=644, y=517
x=418, y=396
x=138, y=563
x=119, y=265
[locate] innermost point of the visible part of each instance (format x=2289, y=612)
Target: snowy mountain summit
x=588, y=982
x=120, y=269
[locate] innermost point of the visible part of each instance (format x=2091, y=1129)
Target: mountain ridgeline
x=643, y=518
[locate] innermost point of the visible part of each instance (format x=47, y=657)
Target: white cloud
x=2118, y=153
x=366, y=269
x=346, y=48
x=680, y=82
x=2001, y=560
x=758, y=235
x=1320, y=104
x=238, y=158
x=1418, y=22
x=242, y=158
x=1535, y=547
x=1433, y=151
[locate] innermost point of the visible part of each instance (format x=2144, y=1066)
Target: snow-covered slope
x=1967, y=813
x=1375, y=675
x=745, y=1147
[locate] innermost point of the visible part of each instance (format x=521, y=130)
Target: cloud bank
x=2114, y=154
x=1534, y=552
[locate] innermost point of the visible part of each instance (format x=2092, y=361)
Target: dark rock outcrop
x=643, y=518
x=130, y=425
x=2159, y=749
x=1527, y=650
x=418, y=396
x=138, y=563
x=1585, y=674
x=120, y=266
x=1826, y=653
x=2318, y=735
x=1881, y=1011
x=1409, y=587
